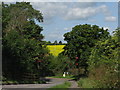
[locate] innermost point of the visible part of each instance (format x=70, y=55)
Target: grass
x=67, y=77
x=64, y=86
x=13, y=82
x=9, y=82
x=55, y=49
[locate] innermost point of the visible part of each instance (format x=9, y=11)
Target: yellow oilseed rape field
x=55, y=49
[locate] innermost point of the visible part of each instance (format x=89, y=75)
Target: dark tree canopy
x=16, y=16
x=22, y=41
x=55, y=42
x=81, y=40
x=60, y=42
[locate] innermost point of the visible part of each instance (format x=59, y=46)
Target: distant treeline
x=54, y=43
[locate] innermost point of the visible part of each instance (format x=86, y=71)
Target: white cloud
x=106, y=28
x=86, y=12
x=63, y=0
x=70, y=11
x=110, y=19
x=78, y=13
x=83, y=4
x=67, y=29
x=50, y=9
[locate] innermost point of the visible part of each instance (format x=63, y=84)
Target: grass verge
x=86, y=83
x=13, y=82
x=64, y=86
x=67, y=77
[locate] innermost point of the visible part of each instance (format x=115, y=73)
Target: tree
x=15, y=16
x=60, y=64
x=49, y=42
x=104, y=59
x=22, y=41
x=60, y=42
x=55, y=42
x=80, y=42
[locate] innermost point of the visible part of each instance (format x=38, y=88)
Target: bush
x=103, y=64
x=86, y=83
x=60, y=64
x=105, y=76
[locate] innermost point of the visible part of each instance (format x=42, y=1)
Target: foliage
x=101, y=77
x=86, y=83
x=55, y=42
x=60, y=64
x=80, y=42
x=88, y=47
x=22, y=41
x=15, y=16
x=104, y=62
x=60, y=42
x=48, y=42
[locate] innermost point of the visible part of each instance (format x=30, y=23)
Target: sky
x=60, y=17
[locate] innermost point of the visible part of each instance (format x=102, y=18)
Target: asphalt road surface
x=52, y=82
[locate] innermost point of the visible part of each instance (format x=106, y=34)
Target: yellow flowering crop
x=55, y=49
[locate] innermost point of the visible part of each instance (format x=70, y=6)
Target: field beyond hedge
x=55, y=49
